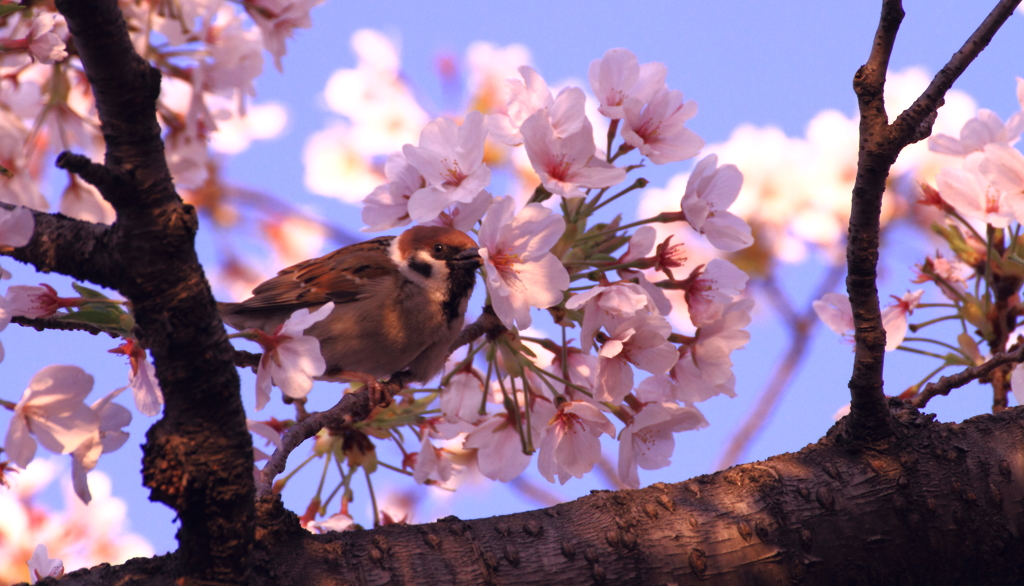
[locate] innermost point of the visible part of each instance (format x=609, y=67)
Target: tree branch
x=946, y=384
x=880, y=144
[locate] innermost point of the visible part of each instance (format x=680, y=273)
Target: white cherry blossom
x=641, y=340
x=571, y=443
x=41, y=566
x=602, y=305
x=648, y=441
x=531, y=95
x=566, y=163
x=894, y=318
x=291, y=359
x=521, y=271
x=16, y=226
x=451, y=159
x=387, y=206
x=969, y=191
x=658, y=128
x=499, y=448
x=710, y=191
x=52, y=410
x=110, y=437
x=983, y=129
x=618, y=76
x=462, y=397
x=710, y=289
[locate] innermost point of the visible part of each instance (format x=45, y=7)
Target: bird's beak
x=469, y=259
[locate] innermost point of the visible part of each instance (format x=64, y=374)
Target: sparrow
x=399, y=303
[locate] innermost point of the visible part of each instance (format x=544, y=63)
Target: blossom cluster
x=605, y=351
x=976, y=198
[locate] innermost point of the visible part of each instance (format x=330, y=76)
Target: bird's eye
x=438, y=248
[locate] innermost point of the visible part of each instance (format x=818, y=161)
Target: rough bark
x=935, y=504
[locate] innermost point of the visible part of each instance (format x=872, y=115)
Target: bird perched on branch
x=399, y=303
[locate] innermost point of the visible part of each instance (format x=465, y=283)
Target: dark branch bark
x=198, y=457
x=937, y=504
x=954, y=381
x=880, y=144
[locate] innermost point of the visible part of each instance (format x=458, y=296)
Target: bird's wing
x=340, y=277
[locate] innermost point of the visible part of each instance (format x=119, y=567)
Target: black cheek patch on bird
x=421, y=267
x=460, y=286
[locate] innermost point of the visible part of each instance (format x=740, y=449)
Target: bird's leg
x=378, y=396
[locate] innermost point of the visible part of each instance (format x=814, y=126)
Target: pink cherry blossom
x=710, y=289
x=1017, y=382
x=464, y=215
x=977, y=132
x=1003, y=167
x=84, y=202
x=337, y=522
x=290, y=359
x=641, y=243
x=32, y=302
x=462, y=397
x=704, y=370
x=658, y=128
x=570, y=445
x=433, y=463
x=451, y=159
x=141, y=378
x=710, y=191
x=835, y=311
x=52, y=410
x=566, y=163
x=277, y=20
x=603, y=304
x=641, y=340
x=5, y=320
x=531, y=95
x=499, y=448
x=16, y=226
x=894, y=318
x=968, y=190
x=110, y=437
x=46, y=39
x=521, y=271
x=41, y=566
x=387, y=206
x=618, y=76
x=648, y=441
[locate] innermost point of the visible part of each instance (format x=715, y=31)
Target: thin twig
x=45, y=323
x=946, y=384
x=352, y=408
x=488, y=323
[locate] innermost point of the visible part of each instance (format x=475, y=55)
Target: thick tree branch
x=938, y=504
x=880, y=144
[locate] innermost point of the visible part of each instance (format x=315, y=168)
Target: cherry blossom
x=570, y=445
x=20, y=188
x=464, y=215
x=433, y=463
x=710, y=289
x=387, y=206
x=618, y=76
x=46, y=38
x=971, y=194
x=16, y=226
x=41, y=566
x=648, y=441
x=641, y=340
x=451, y=159
x=33, y=302
x=658, y=128
x=337, y=522
x=277, y=19
x=521, y=271
x=894, y=318
x=110, y=437
x=705, y=368
x=141, y=378
x=290, y=359
x=835, y=311
x=983, y=129
x=1017, y=382
x=1003, y=167
x=603, y=304
x=499, y=448
x=640, y=245
x=462, y=397
x=84, y=202
x=5, y=320
x=531, y=95
x=710, y=191
x=567, y=163
x=52, y=410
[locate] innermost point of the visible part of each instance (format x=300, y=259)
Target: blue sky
x=766, y=63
